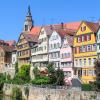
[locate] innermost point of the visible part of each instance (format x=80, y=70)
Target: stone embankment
x=37, y=93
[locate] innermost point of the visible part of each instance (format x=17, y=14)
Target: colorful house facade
x=66, y=56
x=85, y=51
x=39, y=52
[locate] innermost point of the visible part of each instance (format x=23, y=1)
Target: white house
x=40, y=51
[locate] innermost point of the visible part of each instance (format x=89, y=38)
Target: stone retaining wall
x=36, y=93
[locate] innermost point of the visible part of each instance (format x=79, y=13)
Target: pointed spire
x=29, y=23
x=29, y=11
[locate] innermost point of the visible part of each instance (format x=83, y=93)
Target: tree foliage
x=36, y=72
x=97, y=82
x=56, y=76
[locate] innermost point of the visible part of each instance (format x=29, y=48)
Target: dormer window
x=83, y=28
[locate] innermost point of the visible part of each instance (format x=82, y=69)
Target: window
x=88, y=37
x=79, y=39
x=89, y=48
x=83, y=48
x=68, y=55
x=94, y=59
x=94, y=47
x=84, y=62
x=90, y=72
x=54, y=45
x=99, y=46
x=76, y=63
x=44, y=47
x=89, y=61
x=80, y=61
x=58, y=45
x=83, y=38
x=84, y=73
x=83, y=28
x=26, y=27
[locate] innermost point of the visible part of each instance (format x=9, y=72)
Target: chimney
x=62, y=25
x=51, y=27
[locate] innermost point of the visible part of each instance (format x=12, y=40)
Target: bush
x=41, y=80
x=36, y=72
x=86, y=87
x=23, y=75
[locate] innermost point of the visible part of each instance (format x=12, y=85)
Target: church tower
x=28, y=24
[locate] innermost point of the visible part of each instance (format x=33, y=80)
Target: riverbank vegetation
x=41, y=77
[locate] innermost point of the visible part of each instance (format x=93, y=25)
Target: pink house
x=66, y=53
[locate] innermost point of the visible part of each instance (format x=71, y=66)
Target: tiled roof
x=11, y=42
x=7, y=48
x=48, y=29
x=64, y=32
x=31, y=37
x=33, y=34
x=93, y=26
x=73, y=25
x=35, y=30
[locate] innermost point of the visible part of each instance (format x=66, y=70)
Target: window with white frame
x=94, y=47
x=84, y=62
x=94, y=59
x=88, y=47
x=79, y=39
x=76, y=62
x=89, y=61
x=80, y=62
x=88, y=37
x=90, y=72
x=83, y=38
x=83, y=48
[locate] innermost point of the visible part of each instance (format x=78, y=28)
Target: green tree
x=60, y=77
x=97, y=82
x=36, y=72
x=16, y=67
x=24, y=73
x=51, y=73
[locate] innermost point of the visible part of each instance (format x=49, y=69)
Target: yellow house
x=85, y=51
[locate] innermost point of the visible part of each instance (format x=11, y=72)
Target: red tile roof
x=93, y=26
x=35, y=30
x=11, y=42
x=64, y=32
x=7, y=48
x=33, y=34
x=73, y=25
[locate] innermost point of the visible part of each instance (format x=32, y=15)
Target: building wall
x=85, y=52
x=54, y=49
x=66, y=58
x=40, y=52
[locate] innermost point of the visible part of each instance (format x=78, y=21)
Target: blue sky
x=13, y=12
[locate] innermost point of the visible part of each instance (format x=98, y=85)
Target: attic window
x=83, y=28
x=26, y=27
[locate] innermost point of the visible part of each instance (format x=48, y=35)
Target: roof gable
x=90, y=27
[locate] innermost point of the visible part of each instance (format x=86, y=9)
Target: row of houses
x=72, y=47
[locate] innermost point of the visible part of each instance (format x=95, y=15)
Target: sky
x=44, y=12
